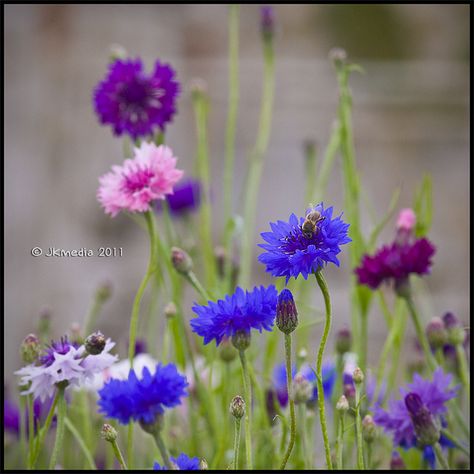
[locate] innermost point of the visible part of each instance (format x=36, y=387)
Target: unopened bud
x=203, y=466
x=343, y=341
x=406, y=220
x=456, y=333
x=349, y=393
x=117, y=51
x=241, y=340
x=286, y=313
x=302, y=389
x=338, y=56
x=426, y=430
x=358, y=376
x=153, y=427
x=171, y=310
x=436, y=333
x=342, y=404
x=302, y=355
x=198, y=88
x=397, y=463
x=237, y=407
x=369, y=430
x=181, y=261
x=30, y=349
x=226, y=351
x=95, y=343
x=108, y=432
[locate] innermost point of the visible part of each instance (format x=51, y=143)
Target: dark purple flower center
x=137, y=180
x=138, y=96
x=59, y=347
x=297, y=241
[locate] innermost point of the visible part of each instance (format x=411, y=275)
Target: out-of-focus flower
x=305, y=245
x=328, y=372
x=183, y=462
x=142, y=399
x=64, y=362
x=185, y=198
x=279, y=382
x=267, y=21
x=149, y=176
x=406, y=220
x=395, y=262
x=133, y=102
x=236, y=315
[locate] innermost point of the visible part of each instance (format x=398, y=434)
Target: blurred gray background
x=410, y=117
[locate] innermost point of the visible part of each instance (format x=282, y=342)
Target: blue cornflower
x=431, y=396
x=184, y=463
x=237, y=313
x=145, y=398
x=304, y=245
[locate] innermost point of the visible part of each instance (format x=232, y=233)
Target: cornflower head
x=236, y=315
x=142, y=399
x=414, y=420
x=149, y=176
x=134, y=102
x=183, y=463
x=303, y=245
x=66, y=362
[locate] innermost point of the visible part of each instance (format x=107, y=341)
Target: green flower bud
x=182, y=262
x=237, y=407
x=108, y=432
x=30, y=349
x=95, y=343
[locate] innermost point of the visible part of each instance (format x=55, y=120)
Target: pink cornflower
x=149, y=176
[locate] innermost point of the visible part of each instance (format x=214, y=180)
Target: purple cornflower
x=237, y=313
x=429, y=398
x=304, y=245
x=142, y=399
x=134, y=102
x=11, y=416
x=185, y=198
x=184, y=463
x=396, y=262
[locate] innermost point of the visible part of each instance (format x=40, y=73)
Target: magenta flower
x=396, y=262
x=150, y=175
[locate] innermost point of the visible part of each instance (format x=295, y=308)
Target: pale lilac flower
x=149, y=176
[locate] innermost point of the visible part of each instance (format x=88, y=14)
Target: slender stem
x=92, y=315
x=358, y=428
x=119, y=455
x=192, y=278
x=319, y=364
x=369, y=456
x=58, y=442
x=86, y=419
x=82, y=444
x=141, y=289
x=31, y=426
x=455, y=441
x=130, y=445
x=463, y=370
x=440, y=456
x=236, y=443
x=163, y=450
x=430, y=360
x=252, y=184
x=248, y=410
x=304, y=441
x=43, y=432
x=340, y=440
x=291, y=401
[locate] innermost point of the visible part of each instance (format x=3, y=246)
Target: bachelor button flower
x=236, y=314
x=64, y=361
x=432, y=395
x=185, y=198
x=134, y=102
x=150, y=175
x=145, y=398
x=184, y=463
x=396, y=262
x=303, y=245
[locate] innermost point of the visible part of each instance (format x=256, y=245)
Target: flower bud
x=104, y=291
x=198, y=88
x=30, y=349
x=153, y=427
x=396, y=462
x=342, y=404
x=369, y=430
x=171, y=310
x=267, y=22
x=237, y=407
x=426, y=431
x=456, y=333
x=436, y=333
x=349, y=393
x=108, y=432
x=343, y=341
x=95, y=343
x=302, y=389
x=338, y=56
x=226, y=351
x=203, y=466
x=241, y=340
x=358, y=376
x=286, y=313
x=181, y=261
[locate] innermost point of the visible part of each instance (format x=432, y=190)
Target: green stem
x=304, y=441
x=291, y=401
x=430, y=360
x=369, y=456
x=358, y=427
x=163, y=450
x=130, y=445
x=58, y=442
x=463, y=370
x=236, y=443
x=248, y=410
x=192, y=278
x=92, y=315
x=81, y=442
x=455, y=441
x=86, y=420
x=340, y=440
x=319, y=364
x=31, y=427
x=119, y=455
x=252, y=184
x=43, y=432
x=440, y=456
